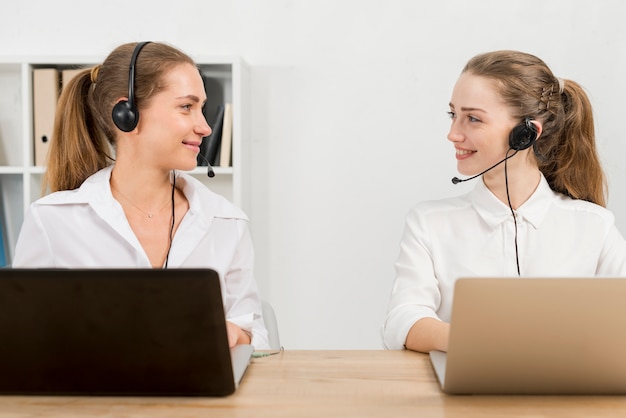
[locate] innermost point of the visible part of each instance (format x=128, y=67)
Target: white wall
x=349, y=123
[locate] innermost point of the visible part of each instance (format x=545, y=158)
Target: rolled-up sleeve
x=415, y=293
x=241, y=296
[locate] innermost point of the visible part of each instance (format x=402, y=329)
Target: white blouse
x=474, y=235
x=87, y=227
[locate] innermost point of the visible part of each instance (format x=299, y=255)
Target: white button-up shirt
x=87, y=227
x=474, y=235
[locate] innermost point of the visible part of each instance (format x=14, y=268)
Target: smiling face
x=172, y=125
x=481, y=124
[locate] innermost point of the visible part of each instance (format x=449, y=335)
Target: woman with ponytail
x=119, y=195
x=538, y=208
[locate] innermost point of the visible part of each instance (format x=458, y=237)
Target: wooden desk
x=325, y=384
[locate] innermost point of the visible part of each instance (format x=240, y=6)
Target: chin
x=464, y=171
x=469, y=170
x=185, y=165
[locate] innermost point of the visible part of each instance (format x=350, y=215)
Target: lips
x=464, y=151
x=192, y=144
x=462, y=154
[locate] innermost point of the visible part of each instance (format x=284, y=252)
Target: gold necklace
x=149, y=215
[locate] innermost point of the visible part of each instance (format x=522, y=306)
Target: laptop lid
x=114, y=332
x=536, y=336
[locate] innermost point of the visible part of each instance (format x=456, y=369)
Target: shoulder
x=583, y=208
x=432, y=215
x=95, y=187
x=57, y=198
x=441, y=206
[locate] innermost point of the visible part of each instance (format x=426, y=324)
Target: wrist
x=247, y=336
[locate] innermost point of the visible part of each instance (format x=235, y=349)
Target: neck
x=140, y=181
x=147, y=191
x=522, y=183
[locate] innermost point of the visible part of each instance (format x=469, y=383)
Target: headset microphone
x=456, y=180
x=210, y=171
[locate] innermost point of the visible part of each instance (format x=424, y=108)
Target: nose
x=202, y=127
x=455, y=134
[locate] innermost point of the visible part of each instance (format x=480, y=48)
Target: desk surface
x=325, y=384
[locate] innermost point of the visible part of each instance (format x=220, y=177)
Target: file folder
x=45, y=95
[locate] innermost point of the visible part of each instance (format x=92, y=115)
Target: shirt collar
x=493, y=211
x=96, y=191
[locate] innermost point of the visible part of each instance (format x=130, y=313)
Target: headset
x=125, y=113
x=523, y=135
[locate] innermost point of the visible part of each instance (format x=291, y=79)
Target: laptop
x=135, y=332
x=535, y=336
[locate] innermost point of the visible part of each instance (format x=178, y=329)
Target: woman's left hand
x=236, y=335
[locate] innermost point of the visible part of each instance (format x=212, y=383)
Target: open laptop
x=535, y=336
x=139, y=332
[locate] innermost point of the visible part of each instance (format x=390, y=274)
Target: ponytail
x=571, y=163
x=78, y=148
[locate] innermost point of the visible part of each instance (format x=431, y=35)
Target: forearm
x=428, y=334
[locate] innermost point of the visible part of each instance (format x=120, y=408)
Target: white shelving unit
x=20, y=179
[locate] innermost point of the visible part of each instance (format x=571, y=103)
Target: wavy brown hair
x=566, y=150
x=84, y=134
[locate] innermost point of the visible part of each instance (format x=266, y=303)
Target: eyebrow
x=469, y=109
x=190, y=97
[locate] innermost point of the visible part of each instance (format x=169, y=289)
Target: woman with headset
x=538, y=210
x=123, y=129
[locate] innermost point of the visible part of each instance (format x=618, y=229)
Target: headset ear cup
x=523, y=136
x=125, y=116
x=125, y=113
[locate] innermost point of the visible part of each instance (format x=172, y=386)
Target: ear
x=538, y=127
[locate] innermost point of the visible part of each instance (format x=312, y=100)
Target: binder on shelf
x=213, y=113
x=4, y=242
x=3, y=253
x=214, y=90
x=68, y=74
x=45, y=95
x=211, y=144
x=227, y=137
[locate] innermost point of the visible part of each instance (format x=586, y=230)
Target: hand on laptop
x=236, y=335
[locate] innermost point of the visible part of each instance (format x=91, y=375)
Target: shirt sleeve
x=415, y=293
x=241, y=297
x=612, y=261
x=33, y=247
